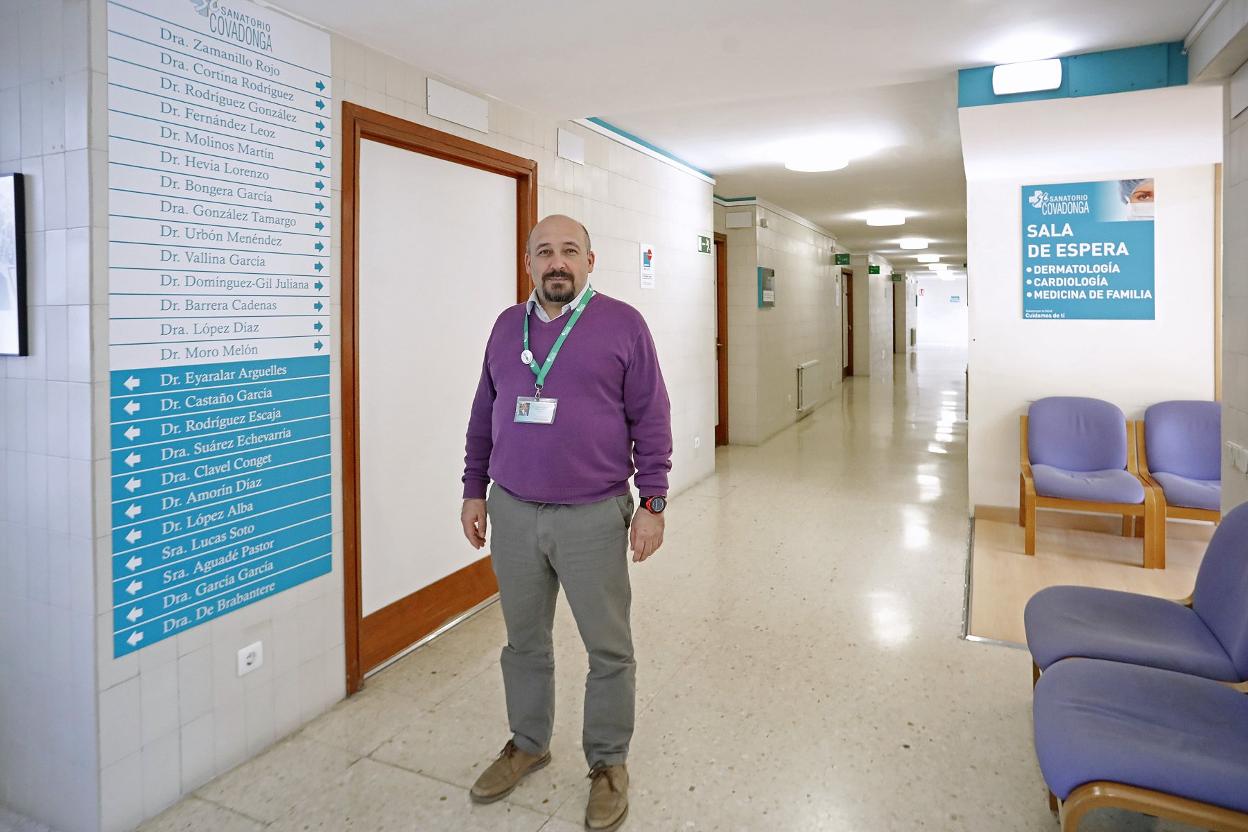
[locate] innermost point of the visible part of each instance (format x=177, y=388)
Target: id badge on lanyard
x=535, y=410
x=531, y=410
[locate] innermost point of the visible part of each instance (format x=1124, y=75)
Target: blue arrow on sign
x=319, y=246
x=320, y=125
x=320, y=145
x=318, y=266
x=320, y=105
x=320, y=206
x=318, y=326
x=320, y=186
x=320, y=165
x=320, y=226
x=318, y=285
x=318, y=306
x=320, y=85
x=318, y=345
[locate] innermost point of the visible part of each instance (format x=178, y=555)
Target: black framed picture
x=12, y=265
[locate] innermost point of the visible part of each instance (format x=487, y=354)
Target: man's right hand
x=472, y=516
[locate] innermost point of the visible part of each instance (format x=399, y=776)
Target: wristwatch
x=654, y=505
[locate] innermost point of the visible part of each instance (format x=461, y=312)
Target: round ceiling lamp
x=885, y=217
x=816, y=163
x=912, y=243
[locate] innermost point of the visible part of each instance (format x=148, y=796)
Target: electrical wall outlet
x=1239, y=457
x=250, y=658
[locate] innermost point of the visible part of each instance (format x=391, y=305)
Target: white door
x=437, y=263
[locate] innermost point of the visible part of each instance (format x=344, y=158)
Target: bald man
x=571, y=403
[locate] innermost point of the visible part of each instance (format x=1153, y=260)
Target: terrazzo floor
x=799, y=665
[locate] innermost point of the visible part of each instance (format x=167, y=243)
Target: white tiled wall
x=48, y=745
x=1235, y=305
x=175, y=715
x=766, y=345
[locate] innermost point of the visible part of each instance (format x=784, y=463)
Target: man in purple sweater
x=571, y=403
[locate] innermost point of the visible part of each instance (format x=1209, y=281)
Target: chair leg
x=1053, y=804
x=1022, y=501
x=1154, y=532
x=1035, y=677
x=1029, y=524
x=1128, y=525
x=1139, y=527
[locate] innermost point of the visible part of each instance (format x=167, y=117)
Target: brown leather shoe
x=608, y=798
x=505, y=773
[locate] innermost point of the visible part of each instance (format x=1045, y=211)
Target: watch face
x=657, y=504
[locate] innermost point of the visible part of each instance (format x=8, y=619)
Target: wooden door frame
x=847, y=293
x=361, y=123
x=721, y=328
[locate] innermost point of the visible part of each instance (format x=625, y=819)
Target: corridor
x=799, y=666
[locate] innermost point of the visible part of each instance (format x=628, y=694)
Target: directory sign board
x=1088, y=250
x=219, y=261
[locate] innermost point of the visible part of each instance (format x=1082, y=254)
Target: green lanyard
x=554, y=351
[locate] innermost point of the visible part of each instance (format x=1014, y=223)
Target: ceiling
x=728, y=84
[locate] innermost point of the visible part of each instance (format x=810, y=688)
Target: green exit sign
x=704, y=244
x=873, y=269
x=842, y=258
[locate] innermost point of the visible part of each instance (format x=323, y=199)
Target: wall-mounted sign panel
x=766, y=288
x=704, y=244
x=647, y=266
x=219, y=263
x=13, y=339
x=1088, y=250
x=873, y=269
x=842, y=258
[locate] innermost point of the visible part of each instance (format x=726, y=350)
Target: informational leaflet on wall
x=219, y=261
x=647, y=266
x=1088, y=250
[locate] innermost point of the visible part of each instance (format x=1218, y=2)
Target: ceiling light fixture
x=927, y=258
x=816, y=162
x=886, y=217
x=912, y=243
x=938, y=266
x=1029, y=76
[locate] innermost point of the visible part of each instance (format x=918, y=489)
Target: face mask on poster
x=1142, y=210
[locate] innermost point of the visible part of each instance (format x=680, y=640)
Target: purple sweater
x=613, y=411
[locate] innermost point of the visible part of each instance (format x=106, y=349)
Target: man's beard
x=565, y=296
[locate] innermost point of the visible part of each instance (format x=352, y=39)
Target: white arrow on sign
x=134, y=615
x=134, y=563
x=134, y=510
x=132, y=484
x=133, y=459
x=132, y=407
x=133, y=535
x=131, y=383
x=135, y=638
x=135, y=587
x=132, y=433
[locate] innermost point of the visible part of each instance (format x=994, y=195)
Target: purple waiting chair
x=1079, y=454
x=1203, y=635
x=1111, y=735
x=1179, y=445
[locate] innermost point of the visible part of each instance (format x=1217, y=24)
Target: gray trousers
x=535, y=548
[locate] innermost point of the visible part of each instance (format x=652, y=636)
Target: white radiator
x=808, y=382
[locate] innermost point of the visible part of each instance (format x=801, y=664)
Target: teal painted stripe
x=1095, y=73
x=734, y=198
x=608, y=126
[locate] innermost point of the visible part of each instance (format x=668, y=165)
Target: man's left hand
x=646, y=534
